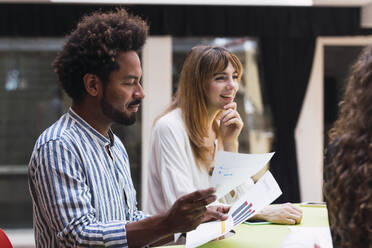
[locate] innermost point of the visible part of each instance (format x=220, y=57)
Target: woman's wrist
x=259, y=217
x=231, y=146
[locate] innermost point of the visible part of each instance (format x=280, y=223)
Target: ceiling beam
x=198, y=2
x=341, y=3
x=330, y=3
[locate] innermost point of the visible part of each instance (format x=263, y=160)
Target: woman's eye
x=220, y=78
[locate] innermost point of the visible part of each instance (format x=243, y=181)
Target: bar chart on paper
x=243, y=212
x=261, y=194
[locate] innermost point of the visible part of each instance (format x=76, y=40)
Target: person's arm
x=171, y=161
x=287, y=214
x=64, y=200
x=230, y=127
x=185, y=215
x=216, y=212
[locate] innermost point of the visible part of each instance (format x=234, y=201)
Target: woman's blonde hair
x=191, y=97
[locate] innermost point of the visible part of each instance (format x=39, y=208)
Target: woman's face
x=222, y=88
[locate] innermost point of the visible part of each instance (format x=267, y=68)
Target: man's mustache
x=135, y=102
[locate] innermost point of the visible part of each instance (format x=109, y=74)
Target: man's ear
x=92, y=84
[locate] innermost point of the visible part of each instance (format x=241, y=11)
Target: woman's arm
x=230, y=127
x=286, y=213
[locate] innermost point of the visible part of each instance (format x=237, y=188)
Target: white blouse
x=172, y=168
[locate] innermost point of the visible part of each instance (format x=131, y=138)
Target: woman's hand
x=230, y=127
x=286, y=213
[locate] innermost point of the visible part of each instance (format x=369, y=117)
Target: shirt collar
x=93, y=132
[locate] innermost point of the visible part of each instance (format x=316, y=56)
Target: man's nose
x=139, y=93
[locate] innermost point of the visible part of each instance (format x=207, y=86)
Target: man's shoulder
x=57, y=131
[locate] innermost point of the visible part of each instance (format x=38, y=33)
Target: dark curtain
x=287, y=37
x=286, y=65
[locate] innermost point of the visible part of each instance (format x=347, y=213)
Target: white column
x=309, y=133
x=366, y=16
x=157, y=84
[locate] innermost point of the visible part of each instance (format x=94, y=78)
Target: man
x=79, y=174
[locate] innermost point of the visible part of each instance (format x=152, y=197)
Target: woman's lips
x=227, y=98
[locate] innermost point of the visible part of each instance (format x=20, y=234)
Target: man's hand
x=286, y=213
x=189, y=210
x=217, y=212
x=185, y=215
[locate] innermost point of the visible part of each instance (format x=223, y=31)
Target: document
x=265, y=191
x=232, y=169
x=309, y=237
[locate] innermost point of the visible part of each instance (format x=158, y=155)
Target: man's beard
x=116, y=115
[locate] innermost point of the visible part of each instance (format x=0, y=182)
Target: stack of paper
x=308, y=237
x=229, y=174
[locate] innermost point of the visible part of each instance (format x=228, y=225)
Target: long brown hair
x=191, y=96
x=348, y=186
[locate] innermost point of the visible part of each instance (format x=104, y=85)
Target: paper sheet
x=207, y=232
x=265, y=191
x=232, y=169
x=308, y=237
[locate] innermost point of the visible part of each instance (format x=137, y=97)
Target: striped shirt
x=81, y=195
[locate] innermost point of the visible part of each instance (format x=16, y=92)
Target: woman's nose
x=232, y=83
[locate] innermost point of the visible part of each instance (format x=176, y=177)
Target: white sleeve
x=173, y=160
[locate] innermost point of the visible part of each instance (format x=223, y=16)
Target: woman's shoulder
x=171, y=121
x=171, y=118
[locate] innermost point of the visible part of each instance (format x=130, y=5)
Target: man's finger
x=205, y=201
x=198, y=195
x=224, y=209
x=212, y=213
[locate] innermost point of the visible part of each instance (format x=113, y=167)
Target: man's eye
x=129, y=82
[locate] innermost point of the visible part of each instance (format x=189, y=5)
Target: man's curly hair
x=94, y=47
x=348, y=172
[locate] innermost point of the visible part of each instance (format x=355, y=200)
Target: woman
x=348, y=168
x=201, y=120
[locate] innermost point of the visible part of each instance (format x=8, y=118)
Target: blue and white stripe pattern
x=81, y=196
